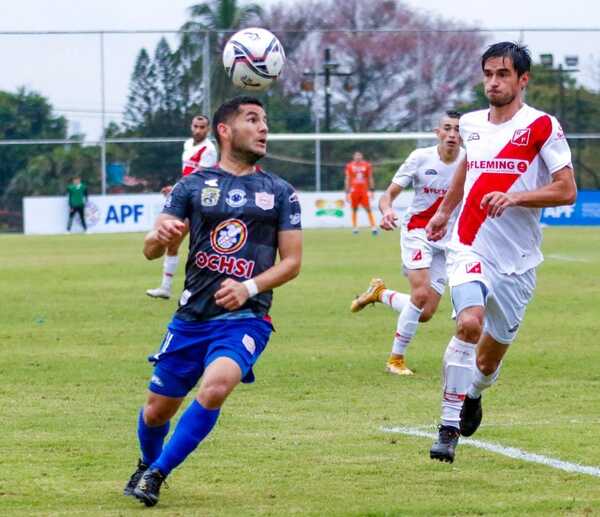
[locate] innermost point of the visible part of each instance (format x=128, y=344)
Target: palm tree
x=222, y=18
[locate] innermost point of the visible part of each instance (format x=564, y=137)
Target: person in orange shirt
x=359, y=186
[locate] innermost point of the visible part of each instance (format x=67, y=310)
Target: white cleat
x=159, y=292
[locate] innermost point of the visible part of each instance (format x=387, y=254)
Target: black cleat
x=148, y=487
x=470, y=416
x=135, y=477
x=445, y=446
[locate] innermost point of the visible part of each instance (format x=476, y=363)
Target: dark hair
x=200, y=115
x=453, y=114
x=229, y=109
x=519, y=55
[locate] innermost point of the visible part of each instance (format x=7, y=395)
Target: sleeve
x=290, y=213
x=556, y=153
x=178, y=201
x=405, y=174
x=209, y=157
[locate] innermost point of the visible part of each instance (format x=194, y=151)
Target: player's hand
x=496, y=202
x=436, y=227
x=170, y=231
x=165, y=191
x=389, y=221
x=231, y=295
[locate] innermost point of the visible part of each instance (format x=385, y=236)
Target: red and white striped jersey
x=517, y=156
x=203, y=154
x=430, y=178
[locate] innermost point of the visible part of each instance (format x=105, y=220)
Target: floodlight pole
x=103, y=119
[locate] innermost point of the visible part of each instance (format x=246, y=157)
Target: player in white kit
x=517, y=162
x=429, y=170
x=198, y=151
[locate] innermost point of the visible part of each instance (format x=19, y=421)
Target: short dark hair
x=519, y=55
x=229, y=109
x=201, y=115
x=453, y=114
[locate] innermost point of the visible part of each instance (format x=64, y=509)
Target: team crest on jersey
x=417, y=255
x=431, y=172
x=473, y=136
x=294, y=198
x=229, y=236
x=474, y=267
x=210, y=196
x=295, y=219
x=521, y=136
x=236, y=198
x=264, y=200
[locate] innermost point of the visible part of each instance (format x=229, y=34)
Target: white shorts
x=419, y=253
x=508, y=295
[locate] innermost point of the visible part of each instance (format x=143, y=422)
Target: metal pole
x=561, y=92
x=317, y=155
x=327, y=72
x=103, y=119
x=206, y=74
x=419, y=82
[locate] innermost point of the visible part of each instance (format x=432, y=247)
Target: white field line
x=511, y=452
x=565, y=258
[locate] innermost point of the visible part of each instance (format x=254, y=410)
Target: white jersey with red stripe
x=203, y=154
x=519, y=155
x=430, y=178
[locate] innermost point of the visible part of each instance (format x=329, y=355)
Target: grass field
x=306, y=438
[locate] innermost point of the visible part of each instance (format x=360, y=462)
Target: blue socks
x=193, y=426
x=151, y=439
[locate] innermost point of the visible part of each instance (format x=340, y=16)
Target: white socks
x=458, y=367
x=394, y=299
x=169, y=267
x=408, y=321
x=480, y=382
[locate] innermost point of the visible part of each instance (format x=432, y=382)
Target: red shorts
x=360, y=198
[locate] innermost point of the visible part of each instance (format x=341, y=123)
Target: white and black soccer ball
x=253, y=59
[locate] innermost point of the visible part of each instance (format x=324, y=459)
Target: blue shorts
x=189, y=347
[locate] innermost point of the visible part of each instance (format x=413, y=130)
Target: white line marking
x=511, y=452
x=566, y=258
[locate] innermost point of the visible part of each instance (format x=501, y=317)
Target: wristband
x=251, y=287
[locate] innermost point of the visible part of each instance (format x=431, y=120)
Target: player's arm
x=437, y=225
x=561, y=191
x=389, y=219
x=167, y=230
x=232, y=295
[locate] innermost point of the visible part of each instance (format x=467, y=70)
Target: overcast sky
x=66, y=68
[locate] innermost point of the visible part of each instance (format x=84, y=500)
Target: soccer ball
x=253, y=59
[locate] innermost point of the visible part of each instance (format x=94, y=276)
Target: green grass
x=306, y=438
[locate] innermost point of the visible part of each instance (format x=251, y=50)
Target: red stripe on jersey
x=421, y=219
x=473, y=216
x=195, y=159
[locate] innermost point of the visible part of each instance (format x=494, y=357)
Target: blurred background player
x=517, y=162
x=198, y=151
x=240, y=218
x=359, y=186
x=77, y=198
x=429, y=170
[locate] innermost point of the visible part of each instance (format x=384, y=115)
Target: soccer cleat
x=354, y=231
x=159, y=292
x=470, y=416
x=445, y=446
x=371, y=295
x=397, y=366
x=135, y=477
x=148, y=487
x=374, y=232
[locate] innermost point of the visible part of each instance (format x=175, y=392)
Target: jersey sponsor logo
x=295, y=218
x=521, y=136
x=213, y=182
x=240, y=267
x=501, y=166
x=210, y=196
x=229, y=236
x=264, y=200
x=437, y=191
x=236, y=198
x=473, y=136
x=431, y=172
x=417, y=255
x=473, y=267
x=249, y=343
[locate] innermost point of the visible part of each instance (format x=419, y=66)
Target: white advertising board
x=136, y=212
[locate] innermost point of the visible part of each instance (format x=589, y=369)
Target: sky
x=66, y=68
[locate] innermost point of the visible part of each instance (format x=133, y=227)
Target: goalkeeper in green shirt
x=77, y=194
